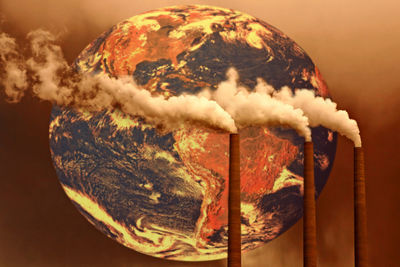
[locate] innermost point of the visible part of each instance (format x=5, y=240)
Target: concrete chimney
x=309, y=219
x=234, y=230
x=360, y=210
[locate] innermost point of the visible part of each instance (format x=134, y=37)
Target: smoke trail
x=13, y=74
x=322, y=112
x=265, y=106
x=258, y=107
x=49, y=76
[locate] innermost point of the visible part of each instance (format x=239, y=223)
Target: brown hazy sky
x=354, y=43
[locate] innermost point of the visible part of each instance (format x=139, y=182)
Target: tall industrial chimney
x=234, y=230
x=309, y=220
x=360, y=211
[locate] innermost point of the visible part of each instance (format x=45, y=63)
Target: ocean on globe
x=165, y=193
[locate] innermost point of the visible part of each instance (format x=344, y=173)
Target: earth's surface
x=165, y=194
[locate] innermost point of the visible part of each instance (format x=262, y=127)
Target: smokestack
x=360, y=211
x=234, y=230
x=309, y=220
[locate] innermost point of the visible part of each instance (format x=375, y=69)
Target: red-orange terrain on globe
x=165, y=193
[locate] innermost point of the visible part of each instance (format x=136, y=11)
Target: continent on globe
x=165, y=193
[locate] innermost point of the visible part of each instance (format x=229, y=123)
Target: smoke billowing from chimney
x=320, y=111
x=51, y=79
x=229, y=107
x=13, y=74
x=257, y=107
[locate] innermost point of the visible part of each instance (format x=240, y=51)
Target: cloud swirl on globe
x=165, y=193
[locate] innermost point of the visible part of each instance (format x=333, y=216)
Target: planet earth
x=165, y=193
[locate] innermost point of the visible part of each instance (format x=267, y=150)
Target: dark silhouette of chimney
x=309, y=220
x=234, y=231
x=360, y=210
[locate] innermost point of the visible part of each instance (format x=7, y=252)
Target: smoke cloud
x=50, y=78
x=298, y=110
x=229, y=107
x=320, y=111
x=13, y=75
x=258, y=107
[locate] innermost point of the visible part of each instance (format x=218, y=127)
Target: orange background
x=354, y=43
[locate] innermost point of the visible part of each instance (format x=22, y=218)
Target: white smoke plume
x=298, y=110
x=13, y=74
x=229, y=107
x=321, y=112
x=258, y=107
x=50, y=78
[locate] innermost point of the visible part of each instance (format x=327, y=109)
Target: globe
x=165, y=193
